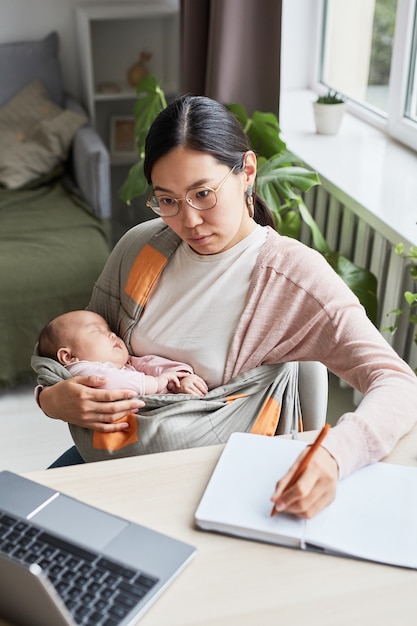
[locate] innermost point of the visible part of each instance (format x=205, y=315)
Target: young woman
x=229, y=295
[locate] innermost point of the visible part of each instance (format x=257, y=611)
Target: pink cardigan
x=300, y=310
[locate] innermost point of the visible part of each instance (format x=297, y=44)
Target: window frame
x=395, y=124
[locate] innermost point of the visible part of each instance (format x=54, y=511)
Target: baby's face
x=92, y=340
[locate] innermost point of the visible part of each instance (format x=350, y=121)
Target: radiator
x=347, y=229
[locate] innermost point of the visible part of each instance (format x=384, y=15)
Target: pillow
x=35, y=135
x=24, y=61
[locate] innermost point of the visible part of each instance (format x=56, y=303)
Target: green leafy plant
x=331, y=97
x=281, y=176
x=410, y=297
x=281, y=181
x=150, y=102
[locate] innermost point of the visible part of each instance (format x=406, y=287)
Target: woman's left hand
x=313, y=491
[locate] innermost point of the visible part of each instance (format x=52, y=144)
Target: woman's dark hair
x=201, y=124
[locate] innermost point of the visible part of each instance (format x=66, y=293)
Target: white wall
x=299, y=30
x=33, y=19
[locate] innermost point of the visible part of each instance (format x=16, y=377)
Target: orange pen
x=306, y=460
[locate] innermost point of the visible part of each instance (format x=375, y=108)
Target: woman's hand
x=80, y=401
x=313, y=491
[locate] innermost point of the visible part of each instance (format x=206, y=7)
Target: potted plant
x=328, y=112
x=282, y=179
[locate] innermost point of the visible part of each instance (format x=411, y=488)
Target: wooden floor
x=31, y=441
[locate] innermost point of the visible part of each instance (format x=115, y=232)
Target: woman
x=232, y=295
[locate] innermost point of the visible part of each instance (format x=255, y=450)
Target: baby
x=83, y=342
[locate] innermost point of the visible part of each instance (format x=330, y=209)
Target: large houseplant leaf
x=262, y=130
x=362, y=282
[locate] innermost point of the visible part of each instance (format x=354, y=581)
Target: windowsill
x=375, y=176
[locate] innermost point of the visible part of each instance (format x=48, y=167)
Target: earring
x=249, y=201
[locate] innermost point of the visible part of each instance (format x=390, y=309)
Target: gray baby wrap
x=263, y=400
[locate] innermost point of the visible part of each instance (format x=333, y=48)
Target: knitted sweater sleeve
x=300, y=310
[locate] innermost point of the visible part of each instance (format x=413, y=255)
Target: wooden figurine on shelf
x=138, y=70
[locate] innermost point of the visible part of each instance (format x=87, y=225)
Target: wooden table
x=231, y=581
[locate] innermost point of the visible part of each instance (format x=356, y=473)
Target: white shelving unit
x=111, y=38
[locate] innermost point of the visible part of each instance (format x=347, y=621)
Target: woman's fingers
x=314, y=490
x=103, y=424
x=80, y=401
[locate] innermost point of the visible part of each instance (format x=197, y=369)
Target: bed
x=55, y=209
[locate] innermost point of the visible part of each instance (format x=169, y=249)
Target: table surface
x=233, y=581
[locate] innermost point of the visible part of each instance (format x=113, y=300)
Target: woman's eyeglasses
x=200, y=198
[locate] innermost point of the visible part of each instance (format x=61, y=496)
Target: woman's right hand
x=80, y=401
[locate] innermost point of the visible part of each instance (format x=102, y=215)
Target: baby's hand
x=170, y=381
x=191, y=384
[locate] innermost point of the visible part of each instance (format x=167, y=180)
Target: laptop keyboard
x=97, y=591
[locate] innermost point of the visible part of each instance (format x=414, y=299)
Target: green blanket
x=52, y=249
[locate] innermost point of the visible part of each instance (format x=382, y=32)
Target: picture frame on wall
x=122, y=137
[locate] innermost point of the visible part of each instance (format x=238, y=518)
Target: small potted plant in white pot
x=328, y=112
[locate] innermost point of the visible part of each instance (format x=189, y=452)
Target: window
x=368, y=52
x=411, y=99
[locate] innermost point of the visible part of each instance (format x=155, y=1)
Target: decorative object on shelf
x=282, y=179
x=328, y=113
x=108, y=87
x=138, y=70
x=122, y=137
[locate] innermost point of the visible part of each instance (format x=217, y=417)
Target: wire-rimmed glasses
x=200, y=198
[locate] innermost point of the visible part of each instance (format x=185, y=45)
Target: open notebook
x=373, y=517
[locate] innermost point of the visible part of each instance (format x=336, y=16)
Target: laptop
x=66, y=563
